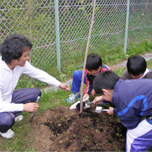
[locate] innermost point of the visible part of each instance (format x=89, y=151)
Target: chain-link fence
x=59, y=29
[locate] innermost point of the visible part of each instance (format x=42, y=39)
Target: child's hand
x=93, y=93
x=98, y=100
x=110, y=112
x=85, y=96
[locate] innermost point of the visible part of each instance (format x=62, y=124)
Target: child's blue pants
x=25, y=95
x=76, y=82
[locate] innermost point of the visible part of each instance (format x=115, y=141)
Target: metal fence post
x=30, y=34
x=127, y=22
x=57, y=35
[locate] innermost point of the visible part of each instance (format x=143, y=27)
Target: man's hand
x=30, y=107
x=110, y=112
x=98, y=100
x=64, y=86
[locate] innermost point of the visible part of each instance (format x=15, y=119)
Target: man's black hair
x=93, y=62
x=13, y=47
x=136, y=65
x=105, y=80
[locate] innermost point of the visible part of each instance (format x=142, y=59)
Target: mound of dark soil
x=66, y=130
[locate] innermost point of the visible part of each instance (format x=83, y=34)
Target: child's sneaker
x=73, y=97
x=9, y=134
x=18, y=118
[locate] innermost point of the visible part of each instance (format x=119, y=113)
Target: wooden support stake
x=86, y=54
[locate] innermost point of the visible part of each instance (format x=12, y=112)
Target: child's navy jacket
x=133, y=100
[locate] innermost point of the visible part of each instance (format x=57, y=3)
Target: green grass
x=149, y=64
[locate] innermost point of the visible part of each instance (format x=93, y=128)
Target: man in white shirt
x=15, y=53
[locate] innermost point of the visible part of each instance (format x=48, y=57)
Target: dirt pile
x=66, y=130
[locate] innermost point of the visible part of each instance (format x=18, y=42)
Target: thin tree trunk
x=86, y=54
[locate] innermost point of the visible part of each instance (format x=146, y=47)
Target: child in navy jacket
x=133, y=102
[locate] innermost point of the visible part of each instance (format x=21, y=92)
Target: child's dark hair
x=136, y=65
x=93, y=62
x=105, y=80
x=13, y=47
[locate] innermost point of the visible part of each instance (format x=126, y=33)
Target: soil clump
x=62, y=129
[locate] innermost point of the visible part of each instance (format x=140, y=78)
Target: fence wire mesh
x=36, y=19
